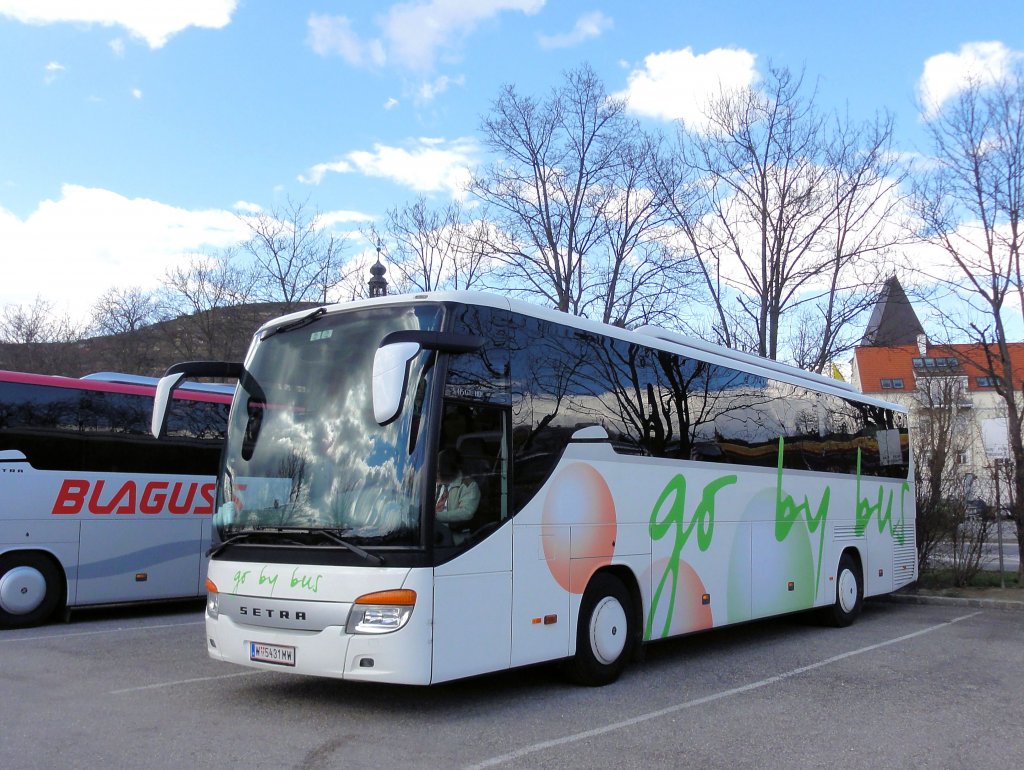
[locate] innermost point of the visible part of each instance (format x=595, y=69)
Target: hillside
x=219, y=334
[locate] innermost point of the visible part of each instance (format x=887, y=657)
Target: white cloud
x=71, y=250
x=428, y=91
x=154, y=22
x=428, y=165
x=53, y=69
x=117, y=46
x=342, y=216
x=334, y=35
x=587, y=26
x=320, y=170
x=947, y=74
x=677, y=85
x=390, y=103
x=137, y=93
x=411, y=34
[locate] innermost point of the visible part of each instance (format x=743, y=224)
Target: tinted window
x=84, y=430
x=660, y=404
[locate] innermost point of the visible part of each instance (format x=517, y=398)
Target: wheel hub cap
x=22, y=589
x=608, y=630
x=847, y=591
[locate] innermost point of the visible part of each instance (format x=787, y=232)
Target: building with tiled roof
x=898, y=362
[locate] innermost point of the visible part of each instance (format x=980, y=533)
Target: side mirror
x=175, y=376
x=390, y=378
x=162, y=402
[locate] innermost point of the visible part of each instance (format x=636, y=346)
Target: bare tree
x=124, y=313
x=194, y=302
x=948, y=531
x=431, y=248
x=567, y=200
x=34, y=339
x=970, y=205
x=784, y=208
x=297, y=260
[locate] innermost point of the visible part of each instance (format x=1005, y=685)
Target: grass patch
x=943, y=578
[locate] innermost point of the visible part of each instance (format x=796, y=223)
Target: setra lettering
x=265, y=612
x=101, y=497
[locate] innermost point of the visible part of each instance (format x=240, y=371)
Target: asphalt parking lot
x=906, y=686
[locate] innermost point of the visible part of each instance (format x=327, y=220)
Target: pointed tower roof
x=893, y=321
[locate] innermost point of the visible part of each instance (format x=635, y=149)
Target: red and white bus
x=93, y=510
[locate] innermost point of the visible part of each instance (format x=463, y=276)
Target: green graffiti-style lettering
x=787, y=513
x=865, y=509
x=307, y=582
x=240, y=578
x=264, y=578
x=703, y=520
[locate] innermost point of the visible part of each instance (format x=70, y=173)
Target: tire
x=849, y=593
x=604, y=633
x=30, y=590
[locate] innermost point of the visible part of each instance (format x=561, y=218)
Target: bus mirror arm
x=227, y=369
x=175, y=376
x=444, y=342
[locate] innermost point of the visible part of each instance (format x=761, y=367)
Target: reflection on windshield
x=304, y=450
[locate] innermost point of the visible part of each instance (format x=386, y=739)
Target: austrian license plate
x=272, y=653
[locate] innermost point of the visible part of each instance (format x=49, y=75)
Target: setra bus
x=614, y=487
x=94, y=510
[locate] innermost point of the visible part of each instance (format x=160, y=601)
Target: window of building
x=963, y=457
x=894, y=383
x=988, y=382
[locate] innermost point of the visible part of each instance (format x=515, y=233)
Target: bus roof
x=139, y=379
x=650, y=336
x=113, y=382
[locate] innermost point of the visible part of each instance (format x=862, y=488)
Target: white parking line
x=158, y=685
x=118, y=630
x=534, y=748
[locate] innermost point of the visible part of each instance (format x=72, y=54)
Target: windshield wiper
x=298, y=323
x=329, y=534
x=216, y=548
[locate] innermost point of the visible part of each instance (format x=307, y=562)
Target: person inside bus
x=457, y=496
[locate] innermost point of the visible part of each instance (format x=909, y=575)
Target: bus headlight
x=381, y=612
x=212, y=600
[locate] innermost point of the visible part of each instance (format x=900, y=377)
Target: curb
x=953, y=601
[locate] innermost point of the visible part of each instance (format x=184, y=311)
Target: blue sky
x=133, y=132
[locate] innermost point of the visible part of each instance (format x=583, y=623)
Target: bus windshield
x=306, y=461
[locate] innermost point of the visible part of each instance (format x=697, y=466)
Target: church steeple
x=893, y=321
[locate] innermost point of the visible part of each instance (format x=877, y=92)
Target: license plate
x=272, y=653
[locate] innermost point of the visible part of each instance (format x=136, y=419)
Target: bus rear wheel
x=604, y=633
x=29, y=590
x=849, y=593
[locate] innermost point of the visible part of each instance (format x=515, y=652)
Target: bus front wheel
x=29, y=590
x=849, y=593
x=604, y=633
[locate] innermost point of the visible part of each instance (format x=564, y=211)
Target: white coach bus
x=420, y=488
x=93, y=510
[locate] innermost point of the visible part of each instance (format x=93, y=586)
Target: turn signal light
x=212, y=600
x=401, y=597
